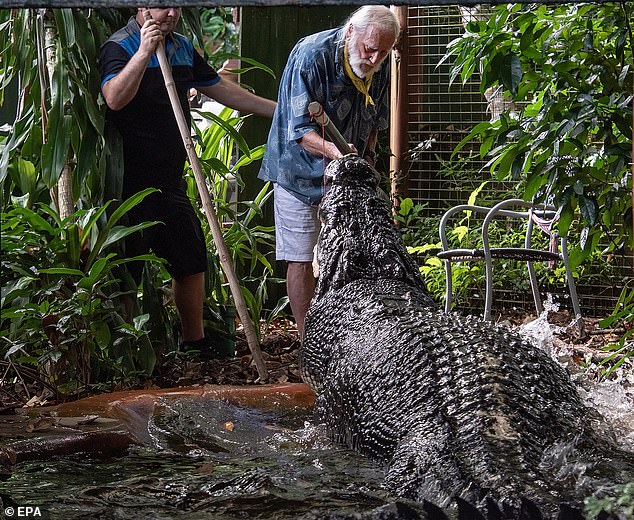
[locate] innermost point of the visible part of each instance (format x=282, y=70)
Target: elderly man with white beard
x=344, y=70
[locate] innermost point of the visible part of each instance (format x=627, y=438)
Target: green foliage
x=60, y=297
x=59, y=121
x=213, y=31
x=623, y=315
x=568, y=70
x=244, y=237
x=619, y=503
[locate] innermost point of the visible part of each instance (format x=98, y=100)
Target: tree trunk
x=64, y=198
x=65, y=203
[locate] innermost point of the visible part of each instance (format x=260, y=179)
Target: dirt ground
x=280, y=346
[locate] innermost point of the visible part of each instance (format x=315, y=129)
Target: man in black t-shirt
x=154, y=154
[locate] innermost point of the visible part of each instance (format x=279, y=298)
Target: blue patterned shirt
x=314, y=72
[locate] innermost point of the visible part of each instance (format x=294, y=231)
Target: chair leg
x=488, y=301
x=575, y=300
x=572, y=288
x=448, y=284
x=535, y=288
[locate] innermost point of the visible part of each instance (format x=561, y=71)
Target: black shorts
x=178, y=237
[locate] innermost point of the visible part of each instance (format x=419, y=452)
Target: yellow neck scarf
x=362, y=84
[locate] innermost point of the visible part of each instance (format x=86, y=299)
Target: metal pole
x=205, y=197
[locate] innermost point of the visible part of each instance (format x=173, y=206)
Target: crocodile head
x=358, y=239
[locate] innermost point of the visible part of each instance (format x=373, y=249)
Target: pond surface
x=208, y=460
x=213, y=460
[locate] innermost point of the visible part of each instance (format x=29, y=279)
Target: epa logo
x=23, y=511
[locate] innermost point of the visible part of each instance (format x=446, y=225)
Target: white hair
x=373, y=15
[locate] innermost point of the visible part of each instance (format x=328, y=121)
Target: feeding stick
x=317, y=111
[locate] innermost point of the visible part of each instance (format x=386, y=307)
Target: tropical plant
x=615, y=503
x=569, y=72
x=50, y=56
x=220, y=32
x=61, y=308
x=244, y=238
x=622, y=315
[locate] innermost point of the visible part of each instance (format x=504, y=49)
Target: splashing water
x=613, y=400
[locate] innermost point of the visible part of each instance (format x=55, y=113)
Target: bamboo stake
x=216, y=231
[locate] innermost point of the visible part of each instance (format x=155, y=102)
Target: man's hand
x=121, y=89
x=151, y=37
x=314, y=144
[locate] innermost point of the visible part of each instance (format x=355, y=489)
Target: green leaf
x=35, y=220
x=93, y=215
x=140, y=321
x=27, y=178
x=255, y=154
x=255, y=64
x=101, y=333
x=229, y=129
x=589, y=209
x=511, y=72
x=476, y=130
x=125, y=206
x=474, y=194
x=65, y=26
x=62, y=271
x=55, y=150
x=12, y=289
x=119, y=232
x=406, y=206
x=95, y=272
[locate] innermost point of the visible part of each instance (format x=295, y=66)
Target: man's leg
x=296, y=233
x=300, y=286
x=189, y=293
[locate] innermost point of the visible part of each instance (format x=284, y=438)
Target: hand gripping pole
x=317, y=111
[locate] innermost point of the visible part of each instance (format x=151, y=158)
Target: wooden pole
x=205, y=197
x=398, y=112
x=317, y=111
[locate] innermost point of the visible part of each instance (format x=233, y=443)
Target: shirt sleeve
x=113, y=58
x=304, y=79
x=204, y=74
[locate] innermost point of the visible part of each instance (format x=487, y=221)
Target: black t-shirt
x=154, y=154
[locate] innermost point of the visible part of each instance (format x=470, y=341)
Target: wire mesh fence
x=440, y=115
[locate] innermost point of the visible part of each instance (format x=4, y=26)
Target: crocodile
x=466, y=415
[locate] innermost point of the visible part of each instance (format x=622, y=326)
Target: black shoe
x=205, y=349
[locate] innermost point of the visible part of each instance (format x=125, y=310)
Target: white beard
x=354, y=56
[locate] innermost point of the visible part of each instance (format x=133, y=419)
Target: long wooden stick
x=317, y=111
x=205, y=197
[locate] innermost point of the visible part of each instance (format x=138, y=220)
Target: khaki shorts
x=296, y=227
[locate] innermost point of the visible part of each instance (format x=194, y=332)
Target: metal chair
x=544, y=216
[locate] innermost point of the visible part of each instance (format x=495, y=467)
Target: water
x=214, y=460
x=268, y=467
x=612, y=399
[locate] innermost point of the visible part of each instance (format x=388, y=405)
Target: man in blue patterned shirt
x=343, y=69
